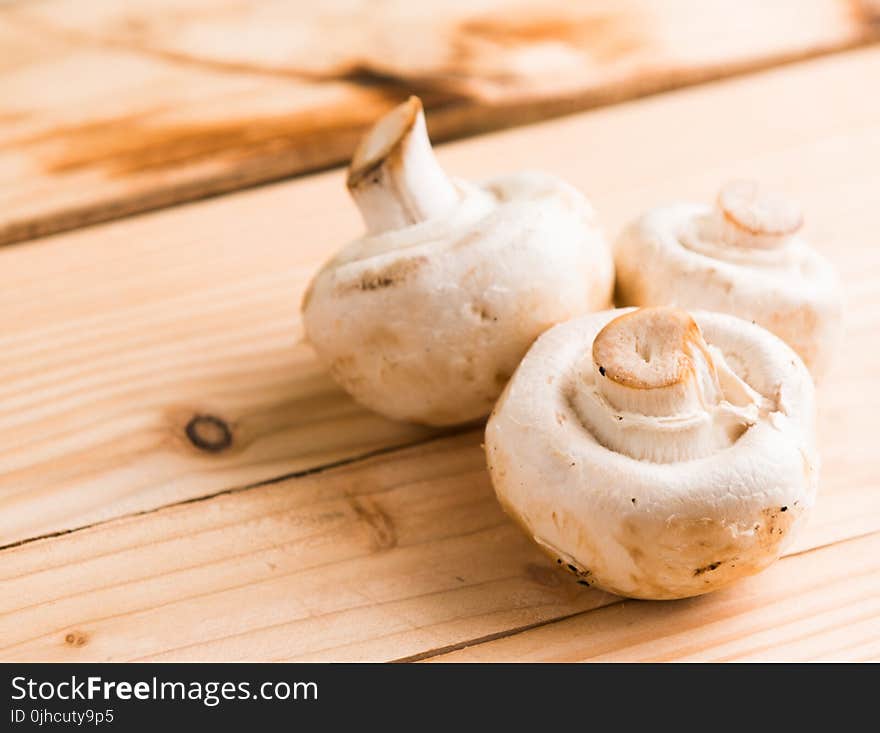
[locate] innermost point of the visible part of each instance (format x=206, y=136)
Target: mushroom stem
x=752, y=218
x=660, y=392
x=654, y=362
x=394, y=177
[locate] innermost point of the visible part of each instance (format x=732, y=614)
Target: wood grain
x=381, y=559
x=112, y=108
x=819, y=605
x=116, y=338
x=398, y=556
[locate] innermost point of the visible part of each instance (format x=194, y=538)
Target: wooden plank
x=394, y=557
x=380, y=559
x=115, y=338
x=112, y=108
x=819, y=605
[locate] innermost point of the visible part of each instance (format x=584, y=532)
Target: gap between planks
x=235, y=490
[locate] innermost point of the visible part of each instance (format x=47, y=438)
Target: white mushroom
x=654, y=453
x=426, y=316
x=744, y=256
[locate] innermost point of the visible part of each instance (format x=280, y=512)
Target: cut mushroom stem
x=664, y=395
x=394, y=177
x=753, y=218
x=655, y=362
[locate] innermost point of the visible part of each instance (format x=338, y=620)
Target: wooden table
x=180, y=480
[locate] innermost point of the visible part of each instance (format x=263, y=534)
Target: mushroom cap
x=427, y=323
x=767, y=273
x=648, y=529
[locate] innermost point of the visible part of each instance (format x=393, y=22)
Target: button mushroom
x=654, y=453
x=425, y=317
x=745, y=257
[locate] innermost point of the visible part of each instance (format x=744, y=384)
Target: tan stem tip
x=654, y=361
x=383, y=140
x=394, y=177
x=649, y=348
x=664, y=394
x=755, y=218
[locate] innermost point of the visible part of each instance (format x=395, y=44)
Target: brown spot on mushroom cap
x=384, y=277
x=708, y=568
x=687, y=548
x=776, y=524
x=482, y=311
x=756, y=211
x=649, y=348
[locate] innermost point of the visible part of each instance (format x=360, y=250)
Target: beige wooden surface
x=400, y=556
x=387, y=558
x=112, y=108
x=115, y=337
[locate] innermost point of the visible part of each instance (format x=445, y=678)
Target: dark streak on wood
x=377, y=519
x=218, y=156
